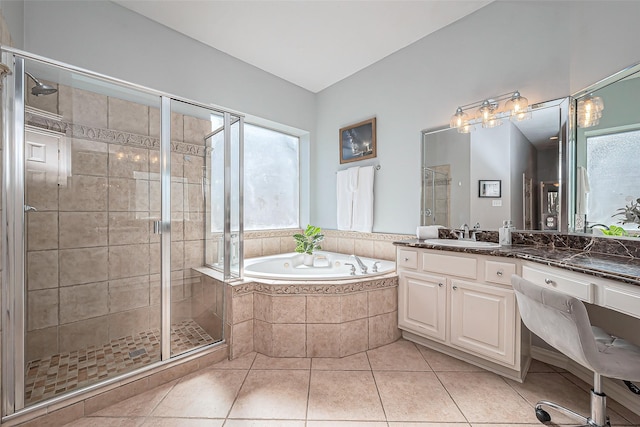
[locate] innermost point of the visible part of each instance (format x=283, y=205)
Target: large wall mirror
x=605, y=176
x=510, y=172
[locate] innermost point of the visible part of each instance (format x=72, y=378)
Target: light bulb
x=459, y=119
x=517, y=104
x=590, y=111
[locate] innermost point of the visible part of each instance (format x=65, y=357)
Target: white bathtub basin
x=471, y=244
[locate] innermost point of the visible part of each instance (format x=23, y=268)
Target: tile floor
x=51, y=376
x=398, y=385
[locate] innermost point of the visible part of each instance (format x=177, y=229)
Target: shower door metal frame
x=13, y=233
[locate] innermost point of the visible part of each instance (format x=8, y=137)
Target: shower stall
x=114, y=199
x=436, y=196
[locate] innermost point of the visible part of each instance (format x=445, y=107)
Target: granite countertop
x=622, y=266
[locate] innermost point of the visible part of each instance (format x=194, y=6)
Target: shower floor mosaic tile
x=61, y=373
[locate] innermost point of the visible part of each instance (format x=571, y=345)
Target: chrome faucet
x=464, y=233
x=363, y=268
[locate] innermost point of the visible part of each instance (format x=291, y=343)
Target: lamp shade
x=459, y=119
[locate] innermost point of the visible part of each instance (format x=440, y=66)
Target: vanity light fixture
x=489, y=113
x=589, y=111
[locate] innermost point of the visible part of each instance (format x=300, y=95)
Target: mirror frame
x=573, y=139
x=566, y=156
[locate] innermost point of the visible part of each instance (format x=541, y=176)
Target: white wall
x=547, y=50
x=13, y=12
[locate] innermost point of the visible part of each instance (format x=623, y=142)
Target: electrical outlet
x=496, y=202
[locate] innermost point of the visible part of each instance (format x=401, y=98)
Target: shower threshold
x=60, y=373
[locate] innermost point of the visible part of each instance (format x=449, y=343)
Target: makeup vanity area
x=459, y=300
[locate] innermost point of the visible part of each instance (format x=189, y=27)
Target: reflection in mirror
x=524, y=156
x=607, y=140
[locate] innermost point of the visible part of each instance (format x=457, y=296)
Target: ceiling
x=312, y=44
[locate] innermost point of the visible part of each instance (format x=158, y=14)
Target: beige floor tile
x=392, y=424
x=557, y=388
x=207, y=393
x=441, y=362
x=344, y=395
x=107, y=422
x=266, y=362
x=140, y=405
x=505, y=425
x=346, y=424
x=264, y=423
x=486, y=397
x=242, y=362
x=538, y=366
x=401, y=355
x=182, y=422
x=356, y=362
x=403, y=397
x=272, y=394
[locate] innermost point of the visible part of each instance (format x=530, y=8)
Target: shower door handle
x=28, y=208
x=157, y=227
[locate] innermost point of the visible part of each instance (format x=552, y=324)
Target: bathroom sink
x=471, y=244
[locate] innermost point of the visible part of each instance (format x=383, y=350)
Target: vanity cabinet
x=463, y=305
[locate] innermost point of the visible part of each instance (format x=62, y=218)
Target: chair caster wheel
x=542, y=415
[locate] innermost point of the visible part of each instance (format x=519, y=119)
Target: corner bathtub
x=291, y=267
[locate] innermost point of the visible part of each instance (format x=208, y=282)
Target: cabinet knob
x=548, y=281
x=406, y=259
x=440, y=285
x=499, y=273
x=455, y=288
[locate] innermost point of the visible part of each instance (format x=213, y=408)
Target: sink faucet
x=464, y=233
x=363, y=268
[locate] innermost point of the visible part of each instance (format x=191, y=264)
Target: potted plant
x=308, y=242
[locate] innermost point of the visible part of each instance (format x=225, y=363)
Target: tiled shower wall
x=93, y=261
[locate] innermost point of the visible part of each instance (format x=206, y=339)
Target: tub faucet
x=363, y=268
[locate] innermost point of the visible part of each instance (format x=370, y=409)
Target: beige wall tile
x=42, y=270
x=84, y=193
x=194, y=226
x=41, y=343
x=129, y=195
x=346, y=245
x=83, y=302
x=177, y=127
x=195, y=130
x=193, y=253
x=383, y=301
x=383, y=329
x=155, y=195
x=42, y=309
x=177, y=227
x=270, y=246
x=128, y=261
x=384, y=250
x=128, y=116
x=129, y=228
x=89, y=157
x=177, y=196
x=242, y=338
x=74, y=336
x=252, y=248
x=130, y=293
x=154, y=162
x=289, y=309
x=177, y=165
x=323, y=309
x=194, y=170
x=154, y=258
x=242, y=308
x=154, y=124
x=364, y=248
x=289, y=340
x=41, y=193
x=42, y=231
x=87, y=265
x=193, y=198
x=128, y=162
x=83, y=229
x=82, y=107
x=177, y=256
x=330, y=244
x=323, y=340
x=130, y=322
x=354, y=337
x=262, y=307
x=288, y=244
x=353, y=306
x=263, y=337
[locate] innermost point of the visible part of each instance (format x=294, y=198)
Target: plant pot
x=308, y=260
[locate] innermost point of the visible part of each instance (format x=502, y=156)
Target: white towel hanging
x=363, y=201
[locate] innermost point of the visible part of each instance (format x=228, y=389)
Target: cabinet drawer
x=407, y=259
x=450, y=264
x=622, y=299
x=573, y=285
x=498, y=272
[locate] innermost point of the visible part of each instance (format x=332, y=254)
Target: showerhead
x=40, y=88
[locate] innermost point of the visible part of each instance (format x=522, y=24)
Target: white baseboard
x=614, y=389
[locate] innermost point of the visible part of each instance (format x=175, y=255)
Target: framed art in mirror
x=489, y=188
x=358, y=141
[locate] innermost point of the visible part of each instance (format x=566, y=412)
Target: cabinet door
x=423, y=305
x=483, y=320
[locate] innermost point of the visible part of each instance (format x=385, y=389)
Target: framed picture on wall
x=489, y=188
x=358, y=141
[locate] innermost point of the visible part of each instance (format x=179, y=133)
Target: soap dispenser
x=504, y=233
